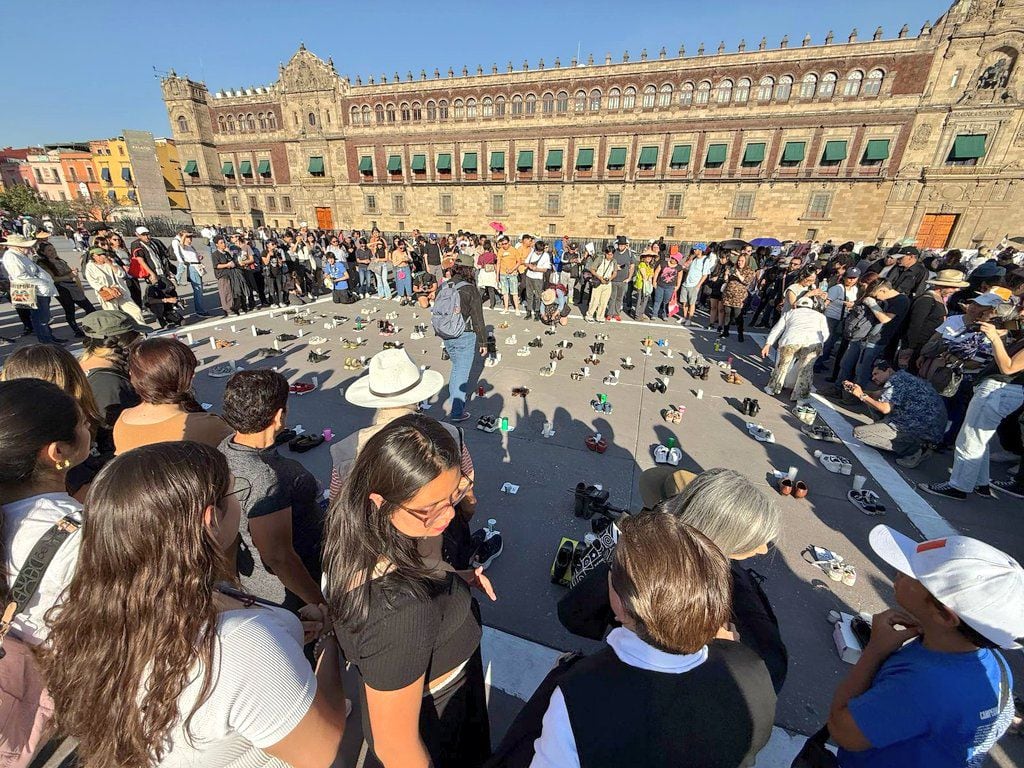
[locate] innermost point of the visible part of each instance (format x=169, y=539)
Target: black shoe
x=942, y=489
x=285, y=436
x=597, y=500
x=754, y=408
x=317, y=357
x=563, y=559
x=286, y=337
x=745, y=406
x=263, y=331
x=985, y=491
x=487, y=550
x=579, y=503
x=1009, y=487
x=444, y=354
x=599, y=524
x=304, y=443
x=739, y=336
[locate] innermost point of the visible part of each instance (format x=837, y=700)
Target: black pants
x=341, y=296
x=276, y=288
x=134, y=290
x=68, y=302
x=489, y=291
x=734, y=315
x=253, y=288
x=765, y=312
x=25, y=315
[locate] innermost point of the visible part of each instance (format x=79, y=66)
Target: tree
x=22, y=199
x=99, y=207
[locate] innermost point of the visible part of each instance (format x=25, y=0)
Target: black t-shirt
x=113, y=393
x=898, y=306
x=669, y=272
x=226, y=257
x=424, y=281
x=432, y=254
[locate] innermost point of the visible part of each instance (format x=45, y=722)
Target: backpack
x=446, y=314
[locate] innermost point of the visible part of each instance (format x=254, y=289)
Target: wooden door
x=935, y=230
x=324, y=219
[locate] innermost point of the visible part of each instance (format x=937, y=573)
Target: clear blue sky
x=77, y=70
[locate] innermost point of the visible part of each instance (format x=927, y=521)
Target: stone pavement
x=523, y=631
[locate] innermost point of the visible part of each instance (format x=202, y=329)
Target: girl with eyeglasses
x=403, y=617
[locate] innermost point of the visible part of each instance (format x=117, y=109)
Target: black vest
x=718, y=715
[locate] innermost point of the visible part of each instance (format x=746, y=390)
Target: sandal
x=866, y=501
x=523, y=352
x=836, y=464
x=511, y=340
x=224, y=343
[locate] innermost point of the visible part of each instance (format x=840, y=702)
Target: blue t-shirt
x=931, y=710
x=335, y=272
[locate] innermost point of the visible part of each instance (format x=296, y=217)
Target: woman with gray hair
x=739, y=518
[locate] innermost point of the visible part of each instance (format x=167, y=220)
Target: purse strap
x=32, y=572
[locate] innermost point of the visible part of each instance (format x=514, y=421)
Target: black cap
x=621, y=240
x=909, y=250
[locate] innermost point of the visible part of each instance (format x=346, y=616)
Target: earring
x=62, y=464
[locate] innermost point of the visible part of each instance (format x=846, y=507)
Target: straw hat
x=18, y=241
x=548, y=296
x=949, y=278
x=393, y=380
x=660, y=483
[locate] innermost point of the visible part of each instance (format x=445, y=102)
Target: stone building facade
x=913, y=137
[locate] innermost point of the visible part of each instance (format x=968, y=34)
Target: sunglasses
x=520, y=391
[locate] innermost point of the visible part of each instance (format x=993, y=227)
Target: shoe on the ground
x=985, y=491
x=942, y=489
x=913, y=459
x=263, y=331
x=301, y=388
x=263, y=352
x=315, y=356
x=286, y=337
x=488, y=548
x=221, y=371
x=304, y=443
x=1009, y=487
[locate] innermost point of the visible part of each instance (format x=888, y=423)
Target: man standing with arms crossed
x=697, y=270
x=626, y=263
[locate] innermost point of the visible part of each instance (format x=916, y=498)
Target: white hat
x=805, y=301
x=976, y=581
x=17, y=241
x=393, y=380
x=141, y=231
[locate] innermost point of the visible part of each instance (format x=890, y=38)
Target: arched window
x=417, y=111
x=311, y=117
x=241, y=123
x=517, y=104
x=765, y=86
x=405, y=112
x=665, y=95
x=614, y=96
x=471, y=108
x=379, y=111
x=703, y=93
x=499, y=106
x=853, y=82
x=873, y=85
x=431, y=111
x=366, y=114
x=531, y=104
x=458, y=109
x=250, y=122
x=487, y=106
x=724, y=92
x=182, y=124
x=595, y=100
x=742, y=94
x=579, y=103
x=221, y=125
x=629, y=98
x=784, y=88
x=390, y=109
x=647, y=100
x=828, y=85
x=354, y=116
x=562, y=102
x=808, y=85
x=231, y=124
x=686, y=95
x=272, y=120
x=442, y=109
x=263, y=118
x=547, y=103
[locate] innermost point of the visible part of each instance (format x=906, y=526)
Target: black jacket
x=909, y=281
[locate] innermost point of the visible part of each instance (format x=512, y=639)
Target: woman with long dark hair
x=161, y=371
x=196, y=673
x=735, y=290
x=404, y=618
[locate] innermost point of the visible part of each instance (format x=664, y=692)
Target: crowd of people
x=128, y=505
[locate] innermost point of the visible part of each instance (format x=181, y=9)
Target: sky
x=95, y=71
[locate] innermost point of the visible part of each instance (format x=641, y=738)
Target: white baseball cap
x=141, y=230
x=979, y=583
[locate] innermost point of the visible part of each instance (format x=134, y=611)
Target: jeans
x=41, y=320
x=462, y=350
x=869, y=353
x=365, y=283
x=993, y=401
x=848, y=363
x=885, y=437
x=383, y=289
x=835, y=327
x=403, y=285
x=615, y=299
x=181, y=270
x=662, y=296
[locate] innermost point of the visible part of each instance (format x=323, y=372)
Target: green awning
x=366, y=164
x=794, y=151
x=554, y=161
x=444, y=163
x=968, y=146
x=648, y=157
x=228, y=169
x=395, y=164
x=419, y=163
x=617, y=157
x=469, y=162
x=191, y=168
x=585, y=158
x=753, y=154
x=716, y=154
x=245, y=167
x=680, y=156
x=264, y=168
x=497, y=161
x=877, y=149
x=835, y=151
x=525, y=161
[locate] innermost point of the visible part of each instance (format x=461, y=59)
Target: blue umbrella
x=771, y=242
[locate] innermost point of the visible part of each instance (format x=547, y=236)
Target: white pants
x=993, y=401
x=127, y=306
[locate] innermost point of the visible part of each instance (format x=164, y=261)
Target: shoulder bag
x=23, y=294
x=26, y=709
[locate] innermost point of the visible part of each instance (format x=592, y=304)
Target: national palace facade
x=918, y=136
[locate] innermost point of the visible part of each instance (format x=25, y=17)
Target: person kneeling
x=554, y=309
x=669, y=587
x=424, y=288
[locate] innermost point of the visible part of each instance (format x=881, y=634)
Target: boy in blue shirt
x=944, y=698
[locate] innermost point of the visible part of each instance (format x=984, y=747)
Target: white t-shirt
x=25, y=523
x=263, y=687
x=539, y=263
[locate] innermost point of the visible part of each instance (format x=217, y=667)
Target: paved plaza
x=523, y=633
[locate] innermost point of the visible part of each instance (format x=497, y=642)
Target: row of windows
x=818, y=204
x=270, y=203
x=241, y=123
x=726, y=91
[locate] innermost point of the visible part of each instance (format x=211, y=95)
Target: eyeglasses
x=241, y=488
x=429, y=515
